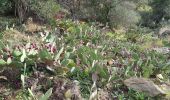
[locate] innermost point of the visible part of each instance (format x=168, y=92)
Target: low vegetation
x=54, y=54
x=78, y=61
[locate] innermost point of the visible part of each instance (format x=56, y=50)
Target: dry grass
x=32, y=27
x=13, y=37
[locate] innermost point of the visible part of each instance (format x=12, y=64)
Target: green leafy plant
x=45, y=96
x=5, y=6
x=85, y=54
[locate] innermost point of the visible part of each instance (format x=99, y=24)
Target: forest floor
x=75, y=60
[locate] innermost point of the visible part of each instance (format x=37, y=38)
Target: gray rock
x=144, y=85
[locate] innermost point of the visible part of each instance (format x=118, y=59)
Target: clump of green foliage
x=42, y=8
x=25, y=8
x=81, y=52
x=124, y=14
x=5, y=6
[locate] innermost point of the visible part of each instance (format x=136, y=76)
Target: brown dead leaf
x=94, y=77
x=165, y=87
x=3, y=78
x=144, y=85
x=15, y=37
x=32, y=27
x=103, y=95
x=75, y=90
x=110, y=62
x=68, y=94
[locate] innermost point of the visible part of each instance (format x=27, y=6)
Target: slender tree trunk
x=21, y=9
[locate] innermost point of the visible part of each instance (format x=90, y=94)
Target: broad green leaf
x=23, y=80
x=31, y=93
x=9, y=60
x=59, y=53
x=65, y=62
x=46, y=95
x=44, y=54
x=16, y=53
x=23, y=55
x=32, y=52
x=71, y=63
x=2, y=62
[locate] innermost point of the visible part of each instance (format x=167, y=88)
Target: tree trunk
x=21, y=9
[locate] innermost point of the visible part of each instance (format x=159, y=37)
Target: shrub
x=88, y=9
x=5, y=6
x=116, y=12
x=159, y=10
x=124, y=14
x=146, y=12
x=166, y=9
x=44, y=8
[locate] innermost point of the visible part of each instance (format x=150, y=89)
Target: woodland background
x=84, y=49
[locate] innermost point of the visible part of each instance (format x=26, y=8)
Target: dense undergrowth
x=79, y=61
